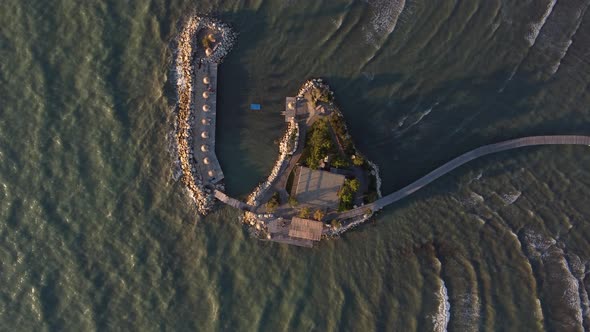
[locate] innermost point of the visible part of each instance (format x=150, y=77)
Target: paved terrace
x=459, y=161
x=205, y=110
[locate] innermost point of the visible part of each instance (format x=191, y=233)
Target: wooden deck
x=223, y=197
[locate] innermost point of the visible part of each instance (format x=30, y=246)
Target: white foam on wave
x=401, y=125
x=511, y=197
x=572, y=270
x=368, y=75
x=535, y=28
x=562, y=54
x=443, y=313
x=384, y=19
x=537, y=242
x=441, y=318
x=469, y=310
x=473, y=200
x=571, y=293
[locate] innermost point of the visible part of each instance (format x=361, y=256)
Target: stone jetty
x=196, y=79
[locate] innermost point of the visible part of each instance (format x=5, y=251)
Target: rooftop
x=295, y=108
x=305, y=229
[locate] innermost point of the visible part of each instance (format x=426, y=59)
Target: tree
x=304, y=213
x=347, y=194
x=273, y=203
x=319, y=215
x=358, y=160
x=354, y=185
x=340, y=162
x=293, y=201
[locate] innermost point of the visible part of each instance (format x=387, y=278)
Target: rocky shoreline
x=286, y=149
x=184, y=75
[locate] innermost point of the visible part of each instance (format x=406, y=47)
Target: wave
x=384, y=19
x=441, y=318
x=535, y=28
x=443, y=313
x=511, y=197
x=473, y=200
x=567, y=300
x=401, y=124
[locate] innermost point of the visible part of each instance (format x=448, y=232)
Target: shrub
x=358, y=160
x=304, y=213
x=319, y=215
x=273, y=203
x=336, y=223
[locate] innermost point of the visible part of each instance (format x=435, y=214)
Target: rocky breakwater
x=185, y=60
x=287, y=147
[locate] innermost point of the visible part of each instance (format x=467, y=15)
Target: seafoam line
x=441, y=318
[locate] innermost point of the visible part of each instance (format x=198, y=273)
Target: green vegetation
x=339, y=126
x=321, y=94
x=319, y=144
x=347, y=193
x=273, y=203
x=319, y=215
x=293, y=201
x=304, y=213
x=336, y=223
x=340, y=162
x=358, y=160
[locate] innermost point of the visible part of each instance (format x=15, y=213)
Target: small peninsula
x=320, y=185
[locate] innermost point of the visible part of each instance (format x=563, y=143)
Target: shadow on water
x=234, y=93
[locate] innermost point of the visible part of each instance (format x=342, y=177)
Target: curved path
x=462, y=159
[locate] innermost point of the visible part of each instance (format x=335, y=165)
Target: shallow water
x=97, y=234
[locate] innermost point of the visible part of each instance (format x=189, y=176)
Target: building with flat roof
x=295, y=109
x=318, y=188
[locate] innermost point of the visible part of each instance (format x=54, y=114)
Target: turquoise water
x=97, y=235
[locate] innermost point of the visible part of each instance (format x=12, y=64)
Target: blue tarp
x=255, y=107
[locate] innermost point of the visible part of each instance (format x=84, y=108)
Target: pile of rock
x=184, y=78
x=293, y=143
x=228, y=38
x=348, y=225
x=284, y=151
x=314, y=83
